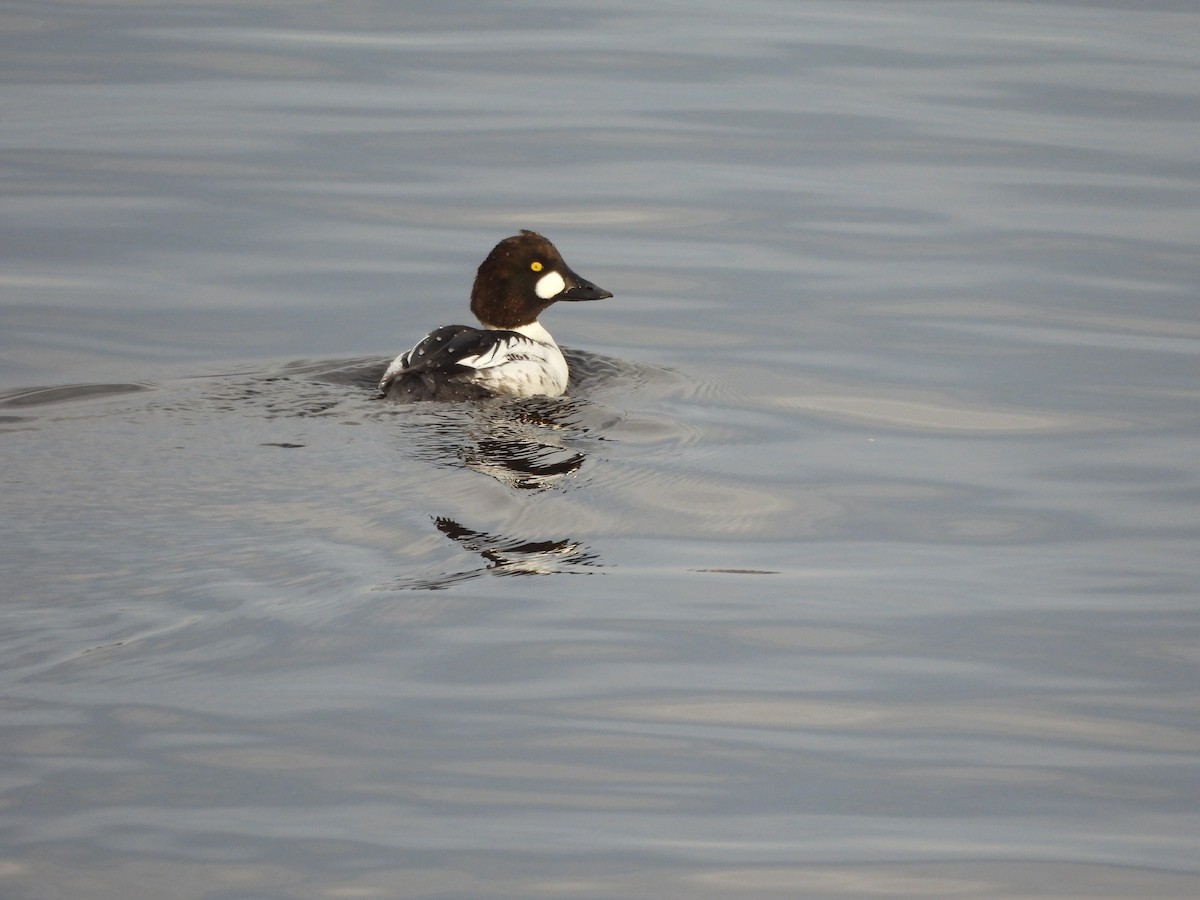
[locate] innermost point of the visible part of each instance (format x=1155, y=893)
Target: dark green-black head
x=522, y=276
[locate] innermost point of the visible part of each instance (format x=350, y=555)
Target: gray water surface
x=860, y=560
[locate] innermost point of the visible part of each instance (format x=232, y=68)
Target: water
x=860, y=561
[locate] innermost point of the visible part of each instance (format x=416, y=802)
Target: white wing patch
x=495, y=355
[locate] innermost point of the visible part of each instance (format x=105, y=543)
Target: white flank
x=527, y=366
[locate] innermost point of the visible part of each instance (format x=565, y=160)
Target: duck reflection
x=514, y=556
x=505, y=555
x=529, y=445
x=532, y=444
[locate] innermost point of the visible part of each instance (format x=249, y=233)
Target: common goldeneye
x=512, y=355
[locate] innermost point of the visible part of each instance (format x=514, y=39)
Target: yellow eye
x=536, y=266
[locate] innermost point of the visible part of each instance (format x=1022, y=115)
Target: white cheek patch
x=550, y=285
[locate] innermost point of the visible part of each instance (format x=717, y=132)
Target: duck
x=511, y=354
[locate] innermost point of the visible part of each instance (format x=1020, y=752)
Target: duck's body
x=512, y=355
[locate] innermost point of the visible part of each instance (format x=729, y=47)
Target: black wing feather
x=431, y=371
